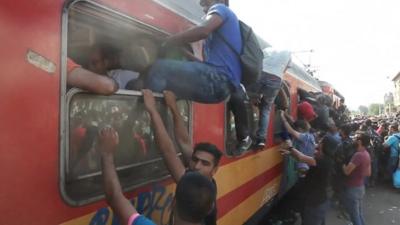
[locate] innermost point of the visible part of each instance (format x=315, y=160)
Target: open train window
x=83, y=114
x=230, y=127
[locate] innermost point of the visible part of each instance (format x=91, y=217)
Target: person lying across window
x=89, y=81
x=105, y=60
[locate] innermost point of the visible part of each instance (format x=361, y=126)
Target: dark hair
x=109, y=52
x=209, y=148
x=302, y=124
x=346, y=129
x=368, y=122
x=195, y=196
x=364, y=138
x=395, y=126
x=329, y=145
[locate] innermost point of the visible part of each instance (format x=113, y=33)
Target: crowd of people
x=325, y=142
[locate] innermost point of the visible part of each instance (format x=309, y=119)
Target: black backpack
x=251, y=56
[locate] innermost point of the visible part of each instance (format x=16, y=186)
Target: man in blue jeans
x=356, y=171
x=213, y=80
x=267, y=88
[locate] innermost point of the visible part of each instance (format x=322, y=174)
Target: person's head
x=194, y=197
x=205, y=159
x=345, y=130
x=104, y=57
x=362, y=139
x=331, y=125
x=394, y=127
x=302, y=126
x=328, y=146
x=368, y=122
x=206, y=4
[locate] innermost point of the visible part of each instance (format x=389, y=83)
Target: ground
x=382, y=207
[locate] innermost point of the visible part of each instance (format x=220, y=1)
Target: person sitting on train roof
x=204, y=158
x=194, y=195
x=89, y=81
x=105, y=60
x=267, y=88
x=213, y=80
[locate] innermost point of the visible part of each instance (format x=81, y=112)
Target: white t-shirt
x=122, y=77
x=275, y=62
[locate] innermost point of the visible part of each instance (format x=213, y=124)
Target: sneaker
x=242, y=146
x=260, y=144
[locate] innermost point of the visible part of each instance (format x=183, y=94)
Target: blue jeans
x=193, y=81
x=268, y=86
x=314, y=215
x=353, y=202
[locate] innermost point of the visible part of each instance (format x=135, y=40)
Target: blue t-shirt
x=141, y=220
x=305, y=144
x=217, y=53
x=394, y=141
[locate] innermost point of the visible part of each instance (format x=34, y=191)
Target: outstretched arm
x=89, y=81
x=289, y=128
x=167, y=148
x=196, y=33
x=108, y=141
x=181, y=133
x=298, y=155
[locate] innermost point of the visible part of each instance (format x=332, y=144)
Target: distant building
x=396, y=95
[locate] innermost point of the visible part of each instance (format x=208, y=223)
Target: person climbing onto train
x=212, y=80
x=267, y=88
x=203, y=158
x=218, y=76
x=194, y=195
x=304, y=140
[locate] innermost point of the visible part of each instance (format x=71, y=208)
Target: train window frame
x=66, y=96
x=253, y=120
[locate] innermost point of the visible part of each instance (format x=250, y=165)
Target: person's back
x=217, y=52
x=209, y=81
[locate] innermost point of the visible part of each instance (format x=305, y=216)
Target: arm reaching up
x=181, y=133
x=108, y=141
x=165, y=144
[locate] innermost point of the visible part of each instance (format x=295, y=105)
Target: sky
x=355, y=43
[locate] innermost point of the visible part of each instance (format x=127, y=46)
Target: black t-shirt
x=211, y=218
x=317, y=182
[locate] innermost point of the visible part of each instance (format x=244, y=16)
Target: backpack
x=251, y=57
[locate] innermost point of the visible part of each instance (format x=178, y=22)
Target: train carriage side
x=46, y=180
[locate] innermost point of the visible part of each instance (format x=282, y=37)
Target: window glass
x=83, y=114
x=137, y=159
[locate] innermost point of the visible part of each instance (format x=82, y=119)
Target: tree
x=363, y=109
x=375, y=109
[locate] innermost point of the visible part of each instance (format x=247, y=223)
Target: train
x=47, y=179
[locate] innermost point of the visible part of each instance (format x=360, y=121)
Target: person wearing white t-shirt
x=105, y=60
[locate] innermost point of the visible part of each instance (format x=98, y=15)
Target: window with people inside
x=108, y=57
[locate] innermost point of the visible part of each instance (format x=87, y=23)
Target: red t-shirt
x=362, y=161
x=306, y=111
x=71, y=65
